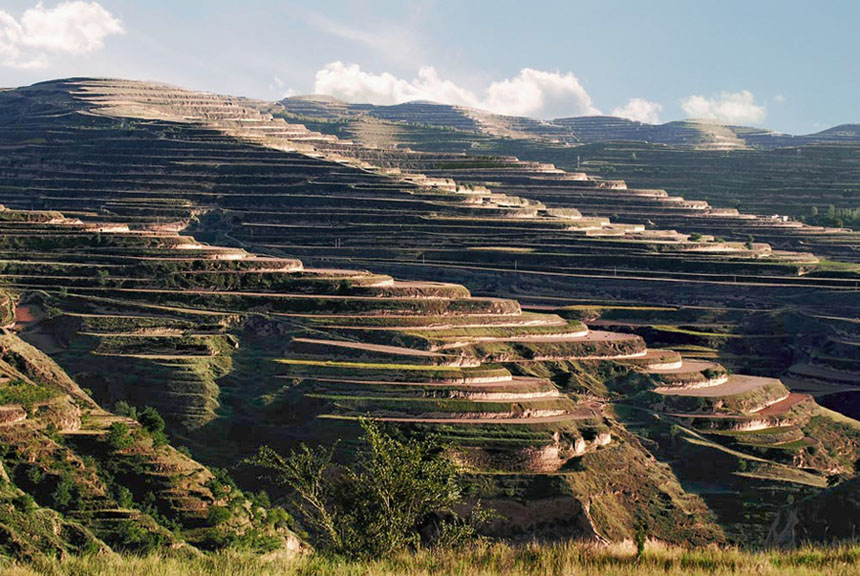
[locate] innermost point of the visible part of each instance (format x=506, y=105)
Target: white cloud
x=779, y=98
x=729, y=107
x=75, y=27
x=530, y=93
x=640, y=110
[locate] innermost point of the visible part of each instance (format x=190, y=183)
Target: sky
x=791, y=66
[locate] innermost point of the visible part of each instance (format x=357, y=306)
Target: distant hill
x=699, y=134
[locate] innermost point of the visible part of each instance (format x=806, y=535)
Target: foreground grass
x=492, y=560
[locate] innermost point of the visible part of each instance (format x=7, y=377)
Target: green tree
x=65, y=495
x=376, y=506
x=119, y=437
x=153, y=423
x=123, y=408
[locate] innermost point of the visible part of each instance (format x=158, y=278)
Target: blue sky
x=786, y=65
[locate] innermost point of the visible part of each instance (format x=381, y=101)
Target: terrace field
x=599, y=357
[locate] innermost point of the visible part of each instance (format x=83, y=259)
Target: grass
x=368, y=365
x=482, y=560
x=23, y=392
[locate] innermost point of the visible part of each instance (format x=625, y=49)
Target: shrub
x=123, y=408
x=221, y=484
x=153, y=423
x=124, y=497
x=65, y=495
x=218, y=515
x=131, y=535
x=25, y=393
x=24, y=503
x=35, y=475
x=380, y=504
x=641, y=537
x=119, y=437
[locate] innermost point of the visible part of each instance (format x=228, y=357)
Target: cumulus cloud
x=530, y=93
x=729, y=107
x=535, y=92
x=639, y=110
x=74, y=27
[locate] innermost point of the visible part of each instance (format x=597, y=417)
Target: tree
x=65, y=495
x=378, y=505
x=153, y=423
x=123, y=408
x=118, y=436
x=695, y=237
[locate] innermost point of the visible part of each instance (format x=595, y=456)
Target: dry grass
x=498, y=559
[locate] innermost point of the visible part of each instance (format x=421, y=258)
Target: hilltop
x=602, y=356
x=692, y=133
x=730, y=167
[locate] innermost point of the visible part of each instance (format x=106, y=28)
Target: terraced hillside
x=280, y=353
x=691, y=134
x=539, y=406
x=758, y=171
x=75, y=478
x=242, y=181
x=634, y=279
x=254, y=348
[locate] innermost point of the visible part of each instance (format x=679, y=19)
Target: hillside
x=756, y=171
x=242, y=275
x=693, y=134
x=76, y=479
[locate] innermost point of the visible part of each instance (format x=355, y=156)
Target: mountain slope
x=78, y=479
x=249, y=344
x=693, y=134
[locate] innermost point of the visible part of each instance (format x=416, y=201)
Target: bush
x=119, y=437
x=378, y=506
x=123, y=408
x=218, y=515
x=24, y=503
x=153, y=423
x=221, y=484
x=124, y=497
x=151, y=420
x=65, y=495
x=132, y=536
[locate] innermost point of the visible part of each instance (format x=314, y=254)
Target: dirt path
x=582, y=414
x=371, y=347
x=784, y=405
x=825, y=373
x=290, y=295
x=737, y=384
x=687, y=366
x=512, y=382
